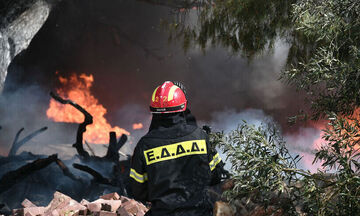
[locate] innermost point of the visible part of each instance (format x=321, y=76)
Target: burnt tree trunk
x=114, y=147
x=82, y=127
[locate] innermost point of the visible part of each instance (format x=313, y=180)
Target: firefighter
x=173, y=164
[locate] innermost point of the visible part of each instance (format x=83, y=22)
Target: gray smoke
x=299, y=143
x=122, y=45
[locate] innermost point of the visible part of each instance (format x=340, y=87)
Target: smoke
x=122, y=45
x=303, y=142
x=128, y=115
x=26, y=108
x=129, y=59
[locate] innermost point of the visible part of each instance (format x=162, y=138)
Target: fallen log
x=82, y=127
x=17, y=144
x=16, y=176
x=24, y=156
x=97, y=176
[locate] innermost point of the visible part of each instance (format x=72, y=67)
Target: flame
x=137, y=126
x=322, y=125
x=77, y=89
x=319, y=141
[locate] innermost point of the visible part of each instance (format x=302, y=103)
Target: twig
x=17, y=144
x=15, y=140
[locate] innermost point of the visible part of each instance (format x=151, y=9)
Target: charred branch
x=24, y=156
x=67, y=172
x=16, y=176
x=97, y=176
x=90, y=149
x=82, y=127
x=114, y=147
x=17, y=144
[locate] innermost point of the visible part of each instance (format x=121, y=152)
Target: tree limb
x=67, y=172
x=114, y=147
x=82, y=127
x=18, y=175
x=17, y=144
x=97, y=176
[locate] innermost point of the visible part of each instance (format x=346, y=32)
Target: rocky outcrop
x=61, y=205
x=20, y=21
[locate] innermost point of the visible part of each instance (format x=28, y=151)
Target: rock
x=27, y=203
x=111, y=196
x=18, y=212
x=19, y=25
x=72, y=208
x=222, y=209
x=62, y=203
x=107, y=205
x=33, y=211
x=94, y=207
x=105, y=213
x=84, y=202
x=131, y=207
x=123, y=212
x=124, y=199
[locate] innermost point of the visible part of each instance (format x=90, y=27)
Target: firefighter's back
x=178, y=173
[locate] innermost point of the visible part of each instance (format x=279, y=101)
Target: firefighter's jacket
x=172, y=166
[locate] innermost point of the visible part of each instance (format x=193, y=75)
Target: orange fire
x=77, y=89
x=137, y=126
x=319, y=141
x=321, y=125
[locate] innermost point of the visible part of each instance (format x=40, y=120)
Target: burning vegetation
x=77, y=88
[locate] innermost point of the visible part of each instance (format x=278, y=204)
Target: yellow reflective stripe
x=215, y=161
x=154, y=93
x=176, y=150
x=172, y=92
x=138, y=177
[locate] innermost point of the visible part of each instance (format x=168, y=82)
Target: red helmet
x=168, y=98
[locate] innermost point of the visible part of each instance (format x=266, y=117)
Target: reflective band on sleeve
x=138, y=177
x=153, y=95
x=172, y=92
x=214, y=162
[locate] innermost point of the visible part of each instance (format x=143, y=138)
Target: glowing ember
x=77, y=89
x=137, y=126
